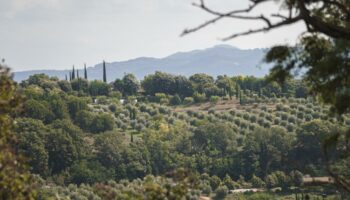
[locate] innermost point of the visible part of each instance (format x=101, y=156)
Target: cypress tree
x=240, y=97
x=78, y=74
x=85, y=72
x=73, y=73
x=104, y=72
x=66, y=77
x=70, y=76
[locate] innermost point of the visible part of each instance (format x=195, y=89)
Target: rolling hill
x=217, y=60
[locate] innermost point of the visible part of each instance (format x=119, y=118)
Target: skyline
x=55, y=34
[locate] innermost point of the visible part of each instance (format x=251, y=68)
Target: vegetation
x=105, y=146
x=171, y=137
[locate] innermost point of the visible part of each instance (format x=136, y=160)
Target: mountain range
x=217, y=60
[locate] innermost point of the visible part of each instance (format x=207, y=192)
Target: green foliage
x=257, y=182
x=137, y=138
x=214, y=99
x=221, y=192
x=31, y=138
x=215, y=182
x=75, y=105
x=188, y=100
x=98, y=88
x=322, y=58
x=102, y=123
x=89, y=172
x=38, y=110
x=176, y=100
x=310, y=136
x=80, y=85
x=15, y=181
x=167, y=83
x=260, y=196
x=65, y=86
x=198, y=97
x=229, y=183
x=61, y=150
x=130, y=85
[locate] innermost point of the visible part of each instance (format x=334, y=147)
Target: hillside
x=96, y=140
x=218, y=60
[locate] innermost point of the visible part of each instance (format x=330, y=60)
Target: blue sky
x=55, y=34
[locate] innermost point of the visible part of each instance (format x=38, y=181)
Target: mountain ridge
x=216, y=60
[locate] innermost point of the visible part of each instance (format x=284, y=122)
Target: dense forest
x=132, y=139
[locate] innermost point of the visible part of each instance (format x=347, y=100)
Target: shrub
x=290, y=127
x=221, y=192
x=246, y=116
x=206, y=189
x=102, y=123
x=308, y=117
x=112, y=108
x=160, y=96
x=164, y=110
x=188, y=100
x=214, y=99
x=164, y=101
x=260, y=196
x=292, y=119
x=228, y=182
x=296, y=178
x=214, y=181
x=211, y=111
x=257, y=182
x=253, y=118
x=175, y=100
x=199, y=97
x=300, y=115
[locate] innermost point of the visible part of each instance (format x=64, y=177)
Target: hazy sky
x=55, y=34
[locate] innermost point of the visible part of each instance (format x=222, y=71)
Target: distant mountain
x=218, y=60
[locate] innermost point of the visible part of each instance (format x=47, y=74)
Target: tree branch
x=230, y=14
x=296, y=12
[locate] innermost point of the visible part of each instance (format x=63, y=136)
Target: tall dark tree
x=73, y=73
x=104, y=72
x=85, y=72
x=78, y=74
x=70, y=76
x=66, y=77
x=237, y=91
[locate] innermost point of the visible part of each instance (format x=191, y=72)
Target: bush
x=112, y=107
x=164, y=101
x=214, y=99
x=160, y=96
x=188, y=100
x=221, y=192
x=257, y=182
x=198, y=97
x=102, y=123
x=228, y=182
x=260, y=196
x=214, y=181
x=206, y=189
x=89, y=172
x=175, y=100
